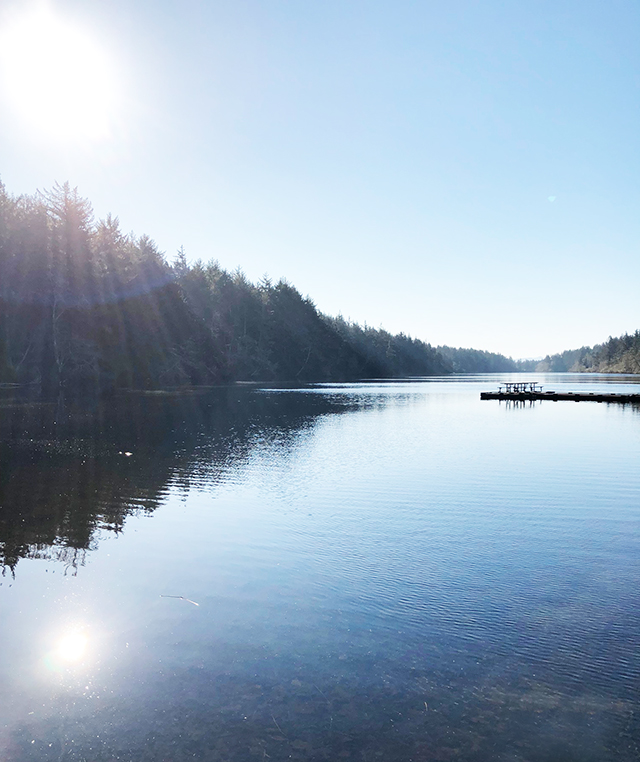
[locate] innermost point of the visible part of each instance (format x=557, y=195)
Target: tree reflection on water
x=71, y=471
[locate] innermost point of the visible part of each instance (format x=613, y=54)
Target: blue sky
x=466, y=172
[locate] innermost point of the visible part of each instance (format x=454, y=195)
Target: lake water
x=380, y=571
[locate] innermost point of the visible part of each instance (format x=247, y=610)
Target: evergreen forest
x=617, y=355
x=84, y=307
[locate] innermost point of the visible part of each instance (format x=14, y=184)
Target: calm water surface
x=392, y=571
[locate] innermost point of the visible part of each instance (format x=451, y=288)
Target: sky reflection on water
x=393, y=571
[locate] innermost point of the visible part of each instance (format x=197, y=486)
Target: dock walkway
x=524, y=391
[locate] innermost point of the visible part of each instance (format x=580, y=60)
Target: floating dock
x=529, y=391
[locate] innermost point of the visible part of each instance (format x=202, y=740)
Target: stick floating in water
x=182, y=598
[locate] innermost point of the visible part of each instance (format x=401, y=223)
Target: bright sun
x=56, y=76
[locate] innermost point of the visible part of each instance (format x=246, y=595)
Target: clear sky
x=465, y=172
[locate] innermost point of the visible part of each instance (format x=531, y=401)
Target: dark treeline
x=86, y=308
x=617, y=355
x=477, y=361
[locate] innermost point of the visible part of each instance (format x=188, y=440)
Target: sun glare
x=57, y=77
x=72, y=646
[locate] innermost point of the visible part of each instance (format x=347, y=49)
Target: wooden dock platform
x=558, y=396
x=530, y=391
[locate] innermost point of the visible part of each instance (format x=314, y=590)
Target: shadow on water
x=70, y=470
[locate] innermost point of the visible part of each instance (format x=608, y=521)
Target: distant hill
x=478, y=361
x=617, y=355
